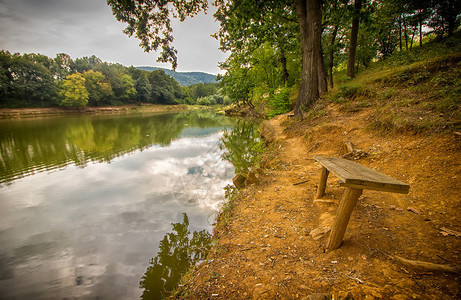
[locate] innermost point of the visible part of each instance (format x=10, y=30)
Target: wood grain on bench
x=357, y=176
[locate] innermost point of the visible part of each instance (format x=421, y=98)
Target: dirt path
x=269, y=249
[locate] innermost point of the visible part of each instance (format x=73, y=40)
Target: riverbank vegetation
x=35, y=80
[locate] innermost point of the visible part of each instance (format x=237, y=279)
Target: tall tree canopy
x=150, y=22
x=290, y=27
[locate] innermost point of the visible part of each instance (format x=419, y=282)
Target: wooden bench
x=355, y=178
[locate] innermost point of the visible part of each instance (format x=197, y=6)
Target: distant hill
x=185, y=78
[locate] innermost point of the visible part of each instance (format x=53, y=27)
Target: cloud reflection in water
x=88, y=232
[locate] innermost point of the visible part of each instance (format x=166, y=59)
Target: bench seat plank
x=357, y=176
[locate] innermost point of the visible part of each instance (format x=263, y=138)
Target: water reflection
x=87, y=232
x=242, y=146
x=178, y=251
x=36, y=145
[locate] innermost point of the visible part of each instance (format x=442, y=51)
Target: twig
x=301, y=182
x=427, y=265
x=354, y=278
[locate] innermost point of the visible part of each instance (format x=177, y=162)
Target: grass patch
x=412, y=91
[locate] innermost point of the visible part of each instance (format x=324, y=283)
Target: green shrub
x=279, y=102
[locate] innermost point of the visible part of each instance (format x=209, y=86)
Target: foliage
x=164, y=89
x=185, y=78
x=129, y=91
x=150, y=22
x=35, y=79
x=75, y=140
x=25, y=80
x=412, y=91
x=279, y=102
x=264, y=37
x=243, y=146
x=73, y=91
x=97, y=86
x=178, y=251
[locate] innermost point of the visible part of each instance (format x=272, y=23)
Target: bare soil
x=265, y=249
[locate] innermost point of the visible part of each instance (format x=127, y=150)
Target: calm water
x=86, y=200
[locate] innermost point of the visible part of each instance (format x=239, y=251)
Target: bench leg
x=346, y=206
x=323, y=183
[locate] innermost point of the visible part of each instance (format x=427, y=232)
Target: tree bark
x=405, y=34
x=400, y=34
x=420, y=33
x=332, y=54
x=354, y=35
x=323, y=85
x=309, y=17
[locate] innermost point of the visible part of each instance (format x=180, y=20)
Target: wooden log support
x=322, y=184
x=346, y=206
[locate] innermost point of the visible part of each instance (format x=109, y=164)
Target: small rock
x=239, y=181
x=319, y=297
x=303, y=287
x=318, y=233
x=251, y=178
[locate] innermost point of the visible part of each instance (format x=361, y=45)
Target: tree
x=354, y=35
x=143, y=88
x=30, y=81
x=310, y=22
x=247, y=25
x=97, y=86
x=150, y=21
x=446, y=16
x=62, y=65
x=178, y=251
x=164, y=89
x=73, y=91
x=129, y=91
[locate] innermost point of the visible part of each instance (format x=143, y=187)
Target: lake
x=86, y=200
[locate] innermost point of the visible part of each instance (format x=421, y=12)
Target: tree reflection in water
x=178, y=252
x=243, y=146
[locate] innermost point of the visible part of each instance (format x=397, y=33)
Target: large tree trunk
x=309, y=17
x=323, y=86
x=332, y=54
x=354, y=35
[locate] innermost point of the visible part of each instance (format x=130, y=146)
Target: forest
x=286, y=53
x=270, y=67
x=35, y=80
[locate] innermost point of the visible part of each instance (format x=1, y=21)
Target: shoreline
x=270, y=241
x=16, y=113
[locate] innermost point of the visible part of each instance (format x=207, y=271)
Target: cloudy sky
x=86, y=27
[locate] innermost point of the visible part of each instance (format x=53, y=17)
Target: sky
x=87, y=27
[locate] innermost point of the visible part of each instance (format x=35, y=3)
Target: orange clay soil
x=266, y=251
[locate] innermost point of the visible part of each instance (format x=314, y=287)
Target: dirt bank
x=266, y=251
x=47, y=111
